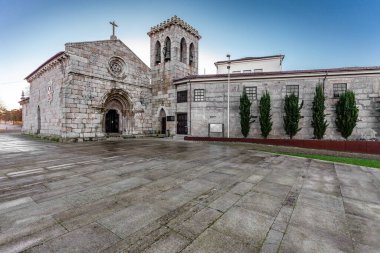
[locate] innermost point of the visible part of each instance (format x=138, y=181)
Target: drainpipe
x=189, y=128
x=323, y=83
x=228, y=97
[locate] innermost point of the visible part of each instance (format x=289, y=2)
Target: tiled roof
x=281, y=73
x=51, y=59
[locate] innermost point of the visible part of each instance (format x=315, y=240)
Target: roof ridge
x=286, y=72
x=253, y=58
x=58, y=56
x=86, y=42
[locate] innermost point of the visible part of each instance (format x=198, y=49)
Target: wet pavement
x=151, y=195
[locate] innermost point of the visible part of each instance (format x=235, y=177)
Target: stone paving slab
x=151, y=195
x=91, y=238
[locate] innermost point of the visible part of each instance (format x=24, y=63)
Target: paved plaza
x=152, y=195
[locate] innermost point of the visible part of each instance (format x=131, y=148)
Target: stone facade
x=164, y=71
x=213, y=110
x=99, y=88
x=85, y=88
x=42, y=111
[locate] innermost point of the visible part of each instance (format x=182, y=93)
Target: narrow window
x=247, y=71
x=236, y=71
x=183, y=50
x=158, y=53
x=339, y=89
x=258, y=70
x=182, y=96
x=167, y=49
x=191, y=54
x=251, y=92
x=199, y=95
x=292, y=89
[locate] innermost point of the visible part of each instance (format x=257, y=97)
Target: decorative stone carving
x=50, y=91
x=117, y=67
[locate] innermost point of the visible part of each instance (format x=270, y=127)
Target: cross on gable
x=113, y=36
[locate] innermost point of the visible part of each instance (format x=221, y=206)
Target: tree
x=346, y=114
x=318, y=121
x=245, y=114
x=292, y=115
x=265, y=116
x=3, y=111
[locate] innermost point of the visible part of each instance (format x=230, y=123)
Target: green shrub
x=318, y=121
x=265, y=116
x=346, y=114
x=292, y=115
x=245, y=114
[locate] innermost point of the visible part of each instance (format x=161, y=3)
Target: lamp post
x=228, y=95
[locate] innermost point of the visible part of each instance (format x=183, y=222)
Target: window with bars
x=339, y=89
x=182, y=96
x=251, y=92
x=199, y=95
x=292, y=89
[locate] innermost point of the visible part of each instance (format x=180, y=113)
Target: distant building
x=96, y=89
x=251, y=64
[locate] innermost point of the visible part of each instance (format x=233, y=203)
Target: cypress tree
x=318, y=121
x=245, y=114
x=265, y=116
x=346, y=114
x=292, y=115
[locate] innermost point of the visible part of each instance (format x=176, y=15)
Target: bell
x=158, y=56
x=167, y=53
x=191, y=58
x=167, y=56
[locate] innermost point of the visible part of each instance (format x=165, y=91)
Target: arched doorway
x=163, y=121
x=38, y=120
x=112, y=121
x=118, y=115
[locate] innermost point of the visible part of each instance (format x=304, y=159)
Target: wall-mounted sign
x=169, y=118
x=216, y=128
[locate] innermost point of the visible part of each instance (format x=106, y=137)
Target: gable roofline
x=283, y=74
x=252, y=59
x=174, y=21
x=107, y=41
x=46, y=65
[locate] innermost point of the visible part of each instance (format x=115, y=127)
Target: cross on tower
x=113, y=36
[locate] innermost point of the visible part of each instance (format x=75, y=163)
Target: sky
x=311, y=34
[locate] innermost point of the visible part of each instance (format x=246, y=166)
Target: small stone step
x=179, y=137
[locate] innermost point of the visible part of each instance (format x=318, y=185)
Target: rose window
x=116, y=67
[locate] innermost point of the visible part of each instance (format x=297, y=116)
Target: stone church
x=101, y=88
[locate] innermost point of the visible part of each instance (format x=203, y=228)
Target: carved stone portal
x=118, y=116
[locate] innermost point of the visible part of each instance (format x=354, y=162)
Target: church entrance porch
x=118, y=117
x=112, y=122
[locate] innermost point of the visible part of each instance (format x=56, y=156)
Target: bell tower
x=173, y=54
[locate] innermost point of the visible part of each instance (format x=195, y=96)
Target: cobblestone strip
x=273, y=240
